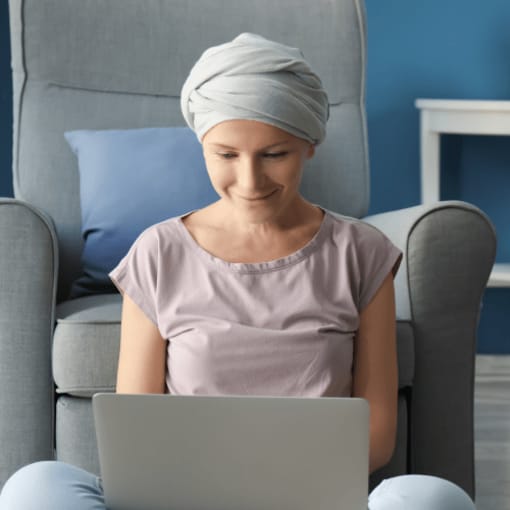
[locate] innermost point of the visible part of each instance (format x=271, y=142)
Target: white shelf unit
x=458, y=116
x=500, y=276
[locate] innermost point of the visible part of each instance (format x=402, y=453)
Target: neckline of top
x=257, y=267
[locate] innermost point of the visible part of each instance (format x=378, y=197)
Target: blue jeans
x=54, y=485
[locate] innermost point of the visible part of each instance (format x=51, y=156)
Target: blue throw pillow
x=129, y=180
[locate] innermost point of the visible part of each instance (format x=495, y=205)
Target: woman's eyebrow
x=261, y=149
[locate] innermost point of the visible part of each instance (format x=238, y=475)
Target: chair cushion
x=86, y=344
x=129, y=180
x=87, y=339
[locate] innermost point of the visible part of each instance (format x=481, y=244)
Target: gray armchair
x=100, y=64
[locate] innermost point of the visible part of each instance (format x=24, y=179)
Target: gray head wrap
x=256, y=79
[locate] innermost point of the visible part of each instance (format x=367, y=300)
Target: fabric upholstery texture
x=27, y=307
x=129, y=180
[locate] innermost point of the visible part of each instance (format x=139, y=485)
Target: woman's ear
x=311, y=151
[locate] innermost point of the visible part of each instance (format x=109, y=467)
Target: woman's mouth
x=259, y=198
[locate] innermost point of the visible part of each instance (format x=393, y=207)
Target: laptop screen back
x=161, y=452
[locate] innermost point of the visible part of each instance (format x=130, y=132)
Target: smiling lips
x=258, y=198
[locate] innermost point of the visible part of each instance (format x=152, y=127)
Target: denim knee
x=51, y=485
x=419, y=492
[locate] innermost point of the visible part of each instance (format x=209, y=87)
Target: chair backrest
x=100, y=64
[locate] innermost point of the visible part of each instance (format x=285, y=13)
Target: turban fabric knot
x=254, y=78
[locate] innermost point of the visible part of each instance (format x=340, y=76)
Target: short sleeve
x=377, y=256
x=136, y=273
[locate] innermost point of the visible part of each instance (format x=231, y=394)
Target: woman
x=261, y=292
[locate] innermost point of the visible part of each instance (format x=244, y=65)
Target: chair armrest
x=28, y=282
x=449, y=250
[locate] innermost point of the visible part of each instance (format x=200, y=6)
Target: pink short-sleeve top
x=281, y=327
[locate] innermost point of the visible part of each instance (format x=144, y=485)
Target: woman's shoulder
x=350, y=229
x=159, y=235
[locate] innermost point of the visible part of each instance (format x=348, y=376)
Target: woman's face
x=256, y=168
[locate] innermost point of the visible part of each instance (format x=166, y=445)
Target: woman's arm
x=375, y=376
x=142, y=358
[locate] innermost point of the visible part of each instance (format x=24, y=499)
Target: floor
x=492, y=432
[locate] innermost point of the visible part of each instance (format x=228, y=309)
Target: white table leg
x=429, y=162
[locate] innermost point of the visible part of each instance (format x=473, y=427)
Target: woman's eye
x=227, y=155
x=274, y=155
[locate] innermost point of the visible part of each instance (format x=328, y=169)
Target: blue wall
x=434, y=49
x=5, y=103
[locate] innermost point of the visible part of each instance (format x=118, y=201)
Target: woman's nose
x=250, y=176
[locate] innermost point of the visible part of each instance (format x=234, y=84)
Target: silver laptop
x=164, y=452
